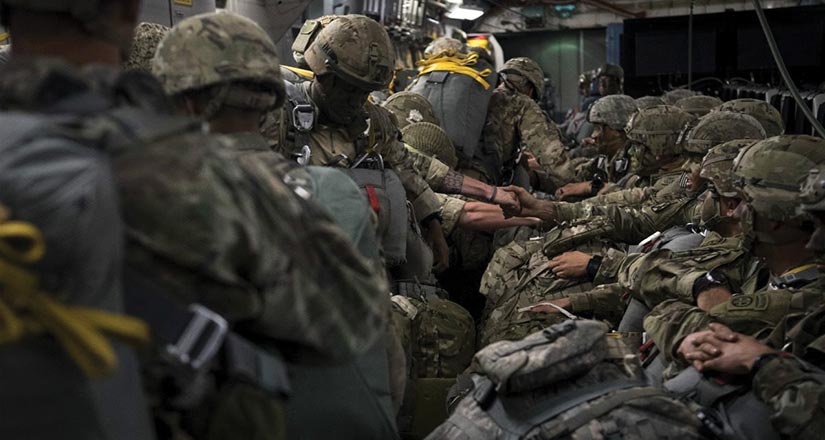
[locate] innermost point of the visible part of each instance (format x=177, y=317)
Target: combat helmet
x=718, y=163
x=234, y=50
x=675, y=95
x=409, y=108
x=442, y=44
x=770, y=174
x=613, y=111
x=717, y=127
x=812, y=198
x=306, y=36
x=658, y=128
x=615, y=75
x=766, y=114
x=431, y=140
x=356, y=49
x=527, y=68
x=698, y=105
x=649, y=101
x=147, y=38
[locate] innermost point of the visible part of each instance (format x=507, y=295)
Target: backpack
x=570, y=380
x=459, y=87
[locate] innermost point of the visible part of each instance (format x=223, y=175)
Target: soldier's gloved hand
x=726, y=351
x=571, y=264
x=578, y=189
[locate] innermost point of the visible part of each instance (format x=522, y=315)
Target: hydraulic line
x=783, y=70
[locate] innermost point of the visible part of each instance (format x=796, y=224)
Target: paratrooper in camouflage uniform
x=766, y=114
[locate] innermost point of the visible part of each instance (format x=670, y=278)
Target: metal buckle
x=201, y=339
x=306, y=124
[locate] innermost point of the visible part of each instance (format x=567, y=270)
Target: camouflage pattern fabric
x=762, y=111
x=238, y=210
x=673, y=96
x=147, y=38
x=698, y=105
x=219, y=48
x=720, y=126
x=527, y=68
x=613, y=111
x=451, y=210
x=430, y=139
x=441, y=335
x=557, y=370
x=409, y=108
x=649, y=101
x=515, y=120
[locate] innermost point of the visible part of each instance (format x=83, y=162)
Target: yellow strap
x=26, y=311
x=303, y=73
x=449, y=61
x=801, y=269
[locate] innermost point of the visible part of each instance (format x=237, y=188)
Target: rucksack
x=570, y=380
x=459, y=87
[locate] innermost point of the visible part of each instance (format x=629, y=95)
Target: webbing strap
x=446, y=66
x=26, y=311
x=517, y=420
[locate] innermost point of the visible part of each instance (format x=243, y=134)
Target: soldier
x=766, y=114
x=782, y=385
x=62, y=383
x=609, y=79
x=514, y=124
x=231, y=77
x=575, y=118
x=609, y=116
x=768, y=175
x=698, y=105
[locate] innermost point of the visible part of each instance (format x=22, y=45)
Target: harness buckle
x=201, y=339
x=303, y=117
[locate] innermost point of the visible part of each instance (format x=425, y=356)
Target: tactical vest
x=460, y=98
x=569, y=380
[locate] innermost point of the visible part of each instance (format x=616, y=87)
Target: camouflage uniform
x=770, y=196
x=409, y=108
x=602, y=232
x=147, y=38
x=373, y=130
x=514, y=121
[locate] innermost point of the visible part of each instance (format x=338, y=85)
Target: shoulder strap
x=301, y=116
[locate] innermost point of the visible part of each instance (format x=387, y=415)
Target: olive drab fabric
x=458, y=85
x=698, y=105
x=764, y=112
x=147, y=38
x=720, y=126
x=306, y=36
x=570, y=380
x=217, y=49
x=410, y=108
x=613, y=111
x=354, y=48
x=718, y=163
x=431, y=140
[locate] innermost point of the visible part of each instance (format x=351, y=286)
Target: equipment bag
x=459, y=87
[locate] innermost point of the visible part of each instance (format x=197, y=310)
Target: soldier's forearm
x=479, y=216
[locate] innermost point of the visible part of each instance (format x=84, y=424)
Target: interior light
x=464, y=13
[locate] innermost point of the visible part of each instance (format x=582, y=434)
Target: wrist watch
x=714, y=278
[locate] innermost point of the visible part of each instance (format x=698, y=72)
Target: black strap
x=516, y=417
x=302, y=119
x=198, y=338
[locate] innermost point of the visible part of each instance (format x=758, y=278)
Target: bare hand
x=438, y=244
x=508, y=201
x=529, y=205
x=692, y=350
x=712, y=297
x=573, y=190
x=571, y=264
x=736, y=353
x=532, y=161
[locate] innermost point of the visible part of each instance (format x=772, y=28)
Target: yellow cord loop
x=450, y=61
x=26, y=311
